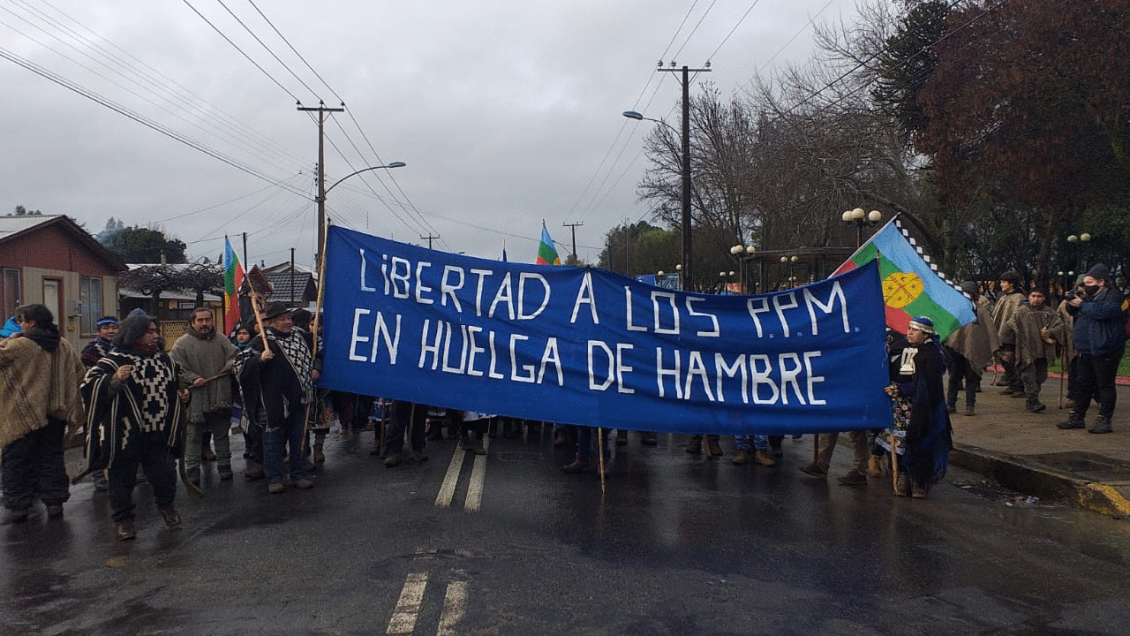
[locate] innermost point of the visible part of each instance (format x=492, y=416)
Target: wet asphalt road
x=676, y=545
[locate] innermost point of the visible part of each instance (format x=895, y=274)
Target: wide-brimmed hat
x=274, y=310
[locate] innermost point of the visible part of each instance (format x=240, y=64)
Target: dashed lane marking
x=478, y=477
x=403, y=619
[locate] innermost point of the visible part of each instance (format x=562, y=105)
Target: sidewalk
x=1026, y=452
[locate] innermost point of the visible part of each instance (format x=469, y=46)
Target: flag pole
x=315, y=325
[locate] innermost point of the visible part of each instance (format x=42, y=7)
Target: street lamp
x=743, y=253
x=860, y=219
x=685, y=174
x=320, y=199
x=1078, y=242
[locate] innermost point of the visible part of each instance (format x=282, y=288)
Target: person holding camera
x=1100, y=339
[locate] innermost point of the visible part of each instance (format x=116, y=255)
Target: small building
x=50, y=259
x=295, y=287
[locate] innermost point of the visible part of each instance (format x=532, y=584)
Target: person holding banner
x=411, y=419
x=582, y=461
x=277, y=378
x=922, y=425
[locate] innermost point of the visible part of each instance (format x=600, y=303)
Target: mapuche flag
x=233, y=279
x=911, y=285
x=547, y=253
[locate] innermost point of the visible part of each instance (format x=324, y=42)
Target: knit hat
x=105, y=321
x=10, y=328
x=1099, y=271
x=969, y=287
x=923, y=324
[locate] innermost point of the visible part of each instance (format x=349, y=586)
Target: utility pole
x=573, y=227
x=688, y=281
x=429, y=239
x=321, y=197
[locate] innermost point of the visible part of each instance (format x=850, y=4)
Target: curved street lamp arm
x=394, y=164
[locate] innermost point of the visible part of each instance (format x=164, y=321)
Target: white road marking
x=447, y=490
x=454, y=604
x=478, y=476
x=403, y=619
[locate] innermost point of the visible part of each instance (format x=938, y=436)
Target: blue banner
x=586, y=346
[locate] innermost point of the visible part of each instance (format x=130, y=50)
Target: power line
x=265, y=47
x=241, y=51
x=76, y=88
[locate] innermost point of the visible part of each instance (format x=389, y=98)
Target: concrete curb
x=1033, y=478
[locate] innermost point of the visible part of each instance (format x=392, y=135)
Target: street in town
x=507, y=543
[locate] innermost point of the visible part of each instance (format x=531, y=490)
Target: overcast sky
x=506, y=112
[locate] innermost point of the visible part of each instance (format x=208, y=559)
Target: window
x=90, y=295
x=9, y=292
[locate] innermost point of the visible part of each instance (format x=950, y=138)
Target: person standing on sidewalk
x=970, y=349
x=1007, y=303
x=276, y=374
x=206, y=360
x=1100, y=340
x=39, y=400
x=1029, y=340
x=133, y=408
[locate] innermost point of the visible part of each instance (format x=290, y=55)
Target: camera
x=1069, y=295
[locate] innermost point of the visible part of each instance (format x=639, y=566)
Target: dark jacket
x=1099, y=323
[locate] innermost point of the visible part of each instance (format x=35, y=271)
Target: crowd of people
x=149, y=410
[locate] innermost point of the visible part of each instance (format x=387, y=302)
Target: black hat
x=1010, y=275
x=969, y=287
x=274, y=310
x=1099, y=271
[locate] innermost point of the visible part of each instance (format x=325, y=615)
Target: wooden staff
x=314, y=328
x=600, y=454
x=215, y=377
x=894, y=461
x=384, y=426
x=411, y=427
x=182, y=468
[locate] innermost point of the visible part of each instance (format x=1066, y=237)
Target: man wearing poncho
x=1029, y=340
x=277, y=381
x=134, y=415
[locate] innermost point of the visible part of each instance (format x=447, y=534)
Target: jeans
x=276, y=438
x=585, y=434
x=742, y=442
